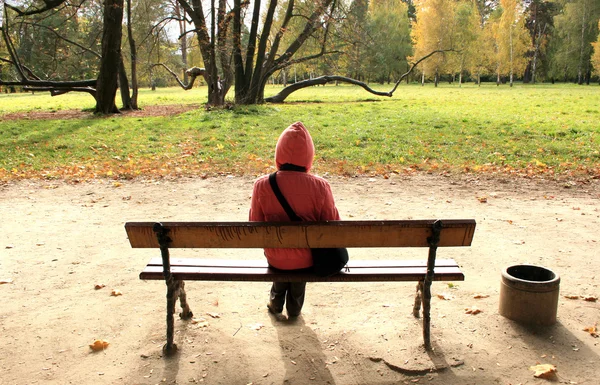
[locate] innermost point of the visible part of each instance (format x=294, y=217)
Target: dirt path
x=59, y=240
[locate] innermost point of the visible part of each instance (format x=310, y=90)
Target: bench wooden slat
x=263, y=274
x=353, y=263
x=410, y=233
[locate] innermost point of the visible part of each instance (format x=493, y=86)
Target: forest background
x=369, y=41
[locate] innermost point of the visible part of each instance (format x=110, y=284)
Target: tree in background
x=467, y=33
x=390, y=44
x=106, y=86
x=596, y=55
x=576, y=27
x=433, y=30
x=512, y=41
x=540, y=23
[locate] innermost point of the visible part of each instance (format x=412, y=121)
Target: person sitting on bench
x=311, y=199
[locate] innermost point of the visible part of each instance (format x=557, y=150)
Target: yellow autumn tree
x=596, y=55
x=512, y=39
x=432, y=31
x=465, y=38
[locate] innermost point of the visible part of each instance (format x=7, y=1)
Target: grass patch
x=545, y=129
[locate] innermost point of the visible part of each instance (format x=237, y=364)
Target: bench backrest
x=406, y=233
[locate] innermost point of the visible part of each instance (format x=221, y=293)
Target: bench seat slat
x=263, y=262
x=408, y=233
x=263, y=274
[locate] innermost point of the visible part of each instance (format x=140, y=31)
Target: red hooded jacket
x=309, y=195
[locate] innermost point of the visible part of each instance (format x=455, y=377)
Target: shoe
x=272, y=310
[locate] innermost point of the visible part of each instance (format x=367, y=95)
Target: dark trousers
x=290, y=293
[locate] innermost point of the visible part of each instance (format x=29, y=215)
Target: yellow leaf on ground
x=593, y=330
x=99, y=345
x=546, y=371
x=482, y=199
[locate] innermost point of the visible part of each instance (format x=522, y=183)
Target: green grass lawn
x=542, y=129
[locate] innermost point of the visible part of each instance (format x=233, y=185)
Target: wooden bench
x=408, y=233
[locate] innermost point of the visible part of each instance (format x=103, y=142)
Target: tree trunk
x=582, y=46
x=133, y=49
x=124, y=86
x=111, y=57
x=510, y=36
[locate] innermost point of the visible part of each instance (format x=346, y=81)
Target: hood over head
x=295, y=146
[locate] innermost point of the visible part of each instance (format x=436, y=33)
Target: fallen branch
x=281, y=96
x=61, y=91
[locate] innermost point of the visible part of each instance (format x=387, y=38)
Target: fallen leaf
x=99, y=345
x=201, y=322
x=482, y=199
x=9, y=246
x=592, y=330
x=99, y=286
x=214, y=315
x=445, y=296
x=256, y=326
x=7, y=280
x=546, y=371
x=590, y=298
x=479, y=296
x=116, y=293
x=117, y=184
x=569, y=296
x=472, y=310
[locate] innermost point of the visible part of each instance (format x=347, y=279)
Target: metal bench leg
x=418, y=299
x=433, y=243
x=173, y=286
x=172, y=294
x=185, y=307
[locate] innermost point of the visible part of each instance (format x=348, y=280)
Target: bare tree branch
x=48, y=5
x=29, y=71
x=193, y=73
x=412, y=67
x=86, y=49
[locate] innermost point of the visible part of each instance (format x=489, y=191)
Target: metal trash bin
x=529, y=294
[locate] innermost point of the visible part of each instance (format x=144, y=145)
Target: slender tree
x=432, y=31
x=512, y=39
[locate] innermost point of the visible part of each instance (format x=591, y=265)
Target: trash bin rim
x=506, y=277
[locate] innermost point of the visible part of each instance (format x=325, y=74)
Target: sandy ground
x=59, y=240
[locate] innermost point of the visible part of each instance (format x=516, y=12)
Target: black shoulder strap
x=286, y=206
